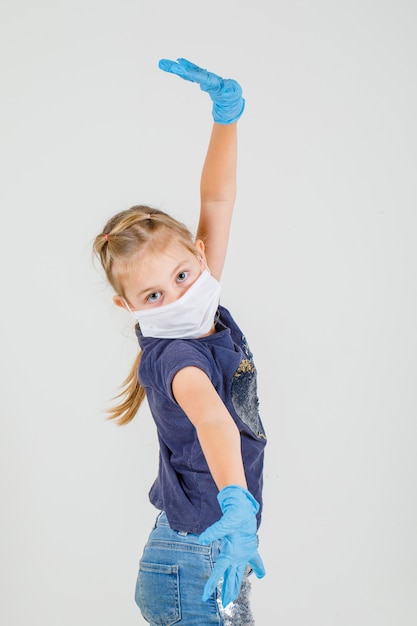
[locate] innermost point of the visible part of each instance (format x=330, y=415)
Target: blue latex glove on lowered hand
x=237, y=529
x=226, y=93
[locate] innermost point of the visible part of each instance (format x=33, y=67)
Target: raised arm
x=218, y=193
x=218, y=179
x=217, y=432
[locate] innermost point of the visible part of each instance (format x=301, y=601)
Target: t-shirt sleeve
x=175, y=356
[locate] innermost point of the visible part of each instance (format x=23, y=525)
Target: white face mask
x=189, y=317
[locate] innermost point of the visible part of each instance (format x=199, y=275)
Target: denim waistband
x=162, y=520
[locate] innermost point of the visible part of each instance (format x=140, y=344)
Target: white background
x=321, y=275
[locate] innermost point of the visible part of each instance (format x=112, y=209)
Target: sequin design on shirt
x=238, y=612
x=244, y=393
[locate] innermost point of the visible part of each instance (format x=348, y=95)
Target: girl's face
x=162, y=277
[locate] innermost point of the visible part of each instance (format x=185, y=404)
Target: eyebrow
x=151, y=289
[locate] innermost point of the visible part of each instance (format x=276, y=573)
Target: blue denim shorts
x=172, y=573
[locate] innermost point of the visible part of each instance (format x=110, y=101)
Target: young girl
x=198, y=374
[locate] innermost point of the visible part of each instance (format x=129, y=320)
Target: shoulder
x=163, y=358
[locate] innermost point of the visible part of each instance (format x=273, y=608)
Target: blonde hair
x=126, y=236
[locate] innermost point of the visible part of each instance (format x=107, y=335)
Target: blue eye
x=182, y=276
x=154, y=297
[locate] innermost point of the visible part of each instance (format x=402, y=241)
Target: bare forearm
x=220, y=443
x=218, y=193
x=218, y=178
x=218, y=434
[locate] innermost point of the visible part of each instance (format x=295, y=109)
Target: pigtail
x=132, y=395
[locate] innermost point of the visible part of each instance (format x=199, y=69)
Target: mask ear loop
x=200, y=258
x=129, y=309
x=126, y=305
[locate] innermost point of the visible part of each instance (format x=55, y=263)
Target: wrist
x=236, y=493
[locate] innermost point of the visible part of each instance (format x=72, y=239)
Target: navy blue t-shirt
x=184, y=487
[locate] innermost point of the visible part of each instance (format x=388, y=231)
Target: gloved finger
x=231, y=583
x=219, y=569
x=208, y=81
x=191, y=67
x=174, y=68
x=257, y=565
x=184, y=68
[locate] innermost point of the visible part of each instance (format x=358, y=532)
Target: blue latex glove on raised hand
x=237, y=529
x=226, y=93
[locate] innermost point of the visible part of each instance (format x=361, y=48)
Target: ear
x=120, y=301
x=200, y=247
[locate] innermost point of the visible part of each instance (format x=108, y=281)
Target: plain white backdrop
x=321, y=275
